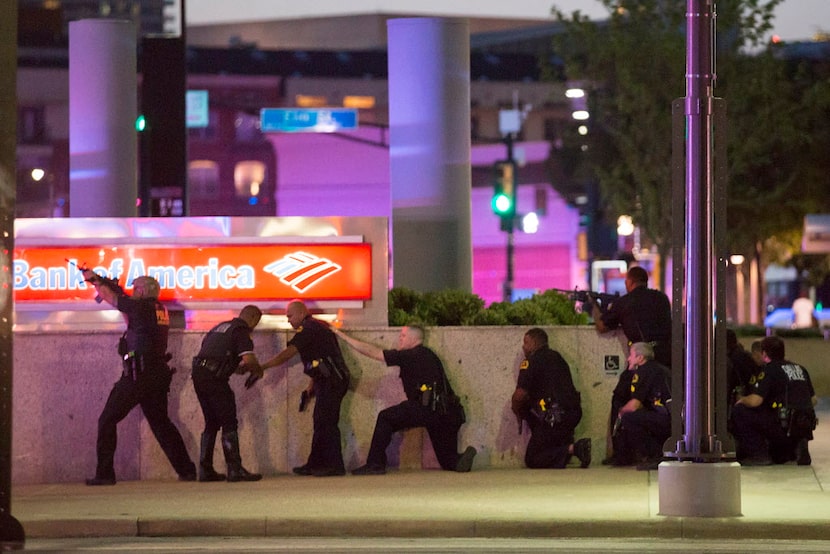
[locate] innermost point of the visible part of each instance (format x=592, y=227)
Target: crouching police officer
x=775, y=420
x=644, y=422
x=546, y=398
x=226, y=349
x=430, y=402
x=145, y=380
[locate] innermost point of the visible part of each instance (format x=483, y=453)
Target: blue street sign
x=307, y=120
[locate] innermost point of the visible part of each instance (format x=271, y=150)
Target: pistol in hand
x=616, y=428
x=304, y=398
x=251, y=380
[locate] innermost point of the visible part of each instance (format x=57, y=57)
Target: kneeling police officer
x=546, y=398
x=430, y=403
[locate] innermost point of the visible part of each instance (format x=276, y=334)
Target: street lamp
x=625, y=226
x=530, y=223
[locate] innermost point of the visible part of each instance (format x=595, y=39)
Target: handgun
x=111, y=284
x=251, y=380
x=304, y=398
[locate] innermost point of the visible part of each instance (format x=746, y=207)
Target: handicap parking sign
x=612, y=365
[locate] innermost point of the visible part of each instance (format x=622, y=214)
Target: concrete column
x=102, y=112
x=12, y=536
x=429, y=121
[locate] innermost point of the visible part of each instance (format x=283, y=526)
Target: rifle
x=108, y=282
x=588, y=297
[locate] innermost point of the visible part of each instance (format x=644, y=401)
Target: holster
x=132, y=365
x=324, y=368
x=123, y=347
x=548, y=412
x=428, y=396
x=222, y=369
x=438, y=400
x=798, y=422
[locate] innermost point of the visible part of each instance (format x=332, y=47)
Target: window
x=31, y=125
x=203, y=179
x=247, y=127
x=210, y=132
x=553, y=129
x=248, y=177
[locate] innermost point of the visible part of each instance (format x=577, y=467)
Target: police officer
x=146, y=377
x=741, y=367
x=226, y=349
x=775, y=421
x=430, y=402
x=644, y=315
x=645, y=420
x=323, y=361
x=546, y=398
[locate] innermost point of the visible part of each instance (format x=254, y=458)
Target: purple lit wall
x=319, y=175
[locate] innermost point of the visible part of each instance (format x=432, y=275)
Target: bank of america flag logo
x=301, y=270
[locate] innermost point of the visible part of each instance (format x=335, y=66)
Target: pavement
x=777, y=502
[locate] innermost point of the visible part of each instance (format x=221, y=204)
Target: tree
x=633, y=66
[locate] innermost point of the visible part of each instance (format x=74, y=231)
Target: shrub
x=403, y=304
x=449, y=307
x=455, y=307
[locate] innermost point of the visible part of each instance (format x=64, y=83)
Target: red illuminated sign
x=200, y=273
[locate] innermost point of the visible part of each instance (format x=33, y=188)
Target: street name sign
x=307, y=120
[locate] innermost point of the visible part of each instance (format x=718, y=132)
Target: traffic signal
x=504, y=193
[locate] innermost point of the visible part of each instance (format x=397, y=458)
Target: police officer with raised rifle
x=145, y=379
x=644, y=315
x=226, y=349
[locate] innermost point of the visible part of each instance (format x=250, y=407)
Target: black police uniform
x=642, y=432
x=323, y=362
x=555, y=409
x=645, y=316
x=425, y=385
x=741, y=374
x=759, y=432
x=219, y=356
x=145, y=381
x=742, y=370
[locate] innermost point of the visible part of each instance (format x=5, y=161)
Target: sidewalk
x=777, y=502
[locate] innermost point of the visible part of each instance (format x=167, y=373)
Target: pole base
x=12, y=536
x=700, y=489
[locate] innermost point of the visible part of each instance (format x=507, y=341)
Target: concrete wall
x=61, y=382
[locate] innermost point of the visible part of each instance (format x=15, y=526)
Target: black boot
x=206, y=471
x=230, y=445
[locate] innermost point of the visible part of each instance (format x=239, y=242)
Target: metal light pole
x=689, y=487
x=510, y=123
x=507, y=293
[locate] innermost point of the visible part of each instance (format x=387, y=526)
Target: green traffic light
x=140, y=123
x=502, y=204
